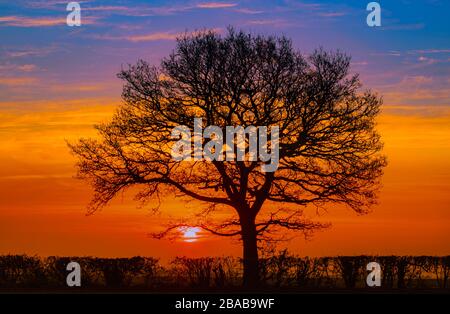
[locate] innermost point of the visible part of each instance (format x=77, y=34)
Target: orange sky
x=57, y=81
x=42, y=208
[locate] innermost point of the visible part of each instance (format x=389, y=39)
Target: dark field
x=280, y=273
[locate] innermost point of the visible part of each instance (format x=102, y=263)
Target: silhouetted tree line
x=279, y=271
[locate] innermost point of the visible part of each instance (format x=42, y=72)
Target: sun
x=190, y=234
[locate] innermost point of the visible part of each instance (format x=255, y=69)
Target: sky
x=57, y=81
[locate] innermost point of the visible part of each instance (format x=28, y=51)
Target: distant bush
x=206, y=272
x=278, y=271
x=21, y=271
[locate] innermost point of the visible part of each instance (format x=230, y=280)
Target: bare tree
x=329, y=150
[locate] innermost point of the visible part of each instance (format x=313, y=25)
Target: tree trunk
x=250, y=253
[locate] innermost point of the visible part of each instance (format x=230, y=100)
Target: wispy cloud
x=427, y=60
x=136, y=11
x=215, y=5
x=430, y=51
x=156, y=36
x=391, y=53
x=247, y=11
x=153, y=37
x=140, y=38
x=403, y=27
x=50, y=4
x=17, y=81
x=360, y=63
x=29, y=52
x=271, y=22
x=332, y=14
x=107, y=8
x=416, y=80
x=27, y=67
x=23, y=21
x=143, y=10
x=77, y=87
x=11, y=68
x=415, y=90
x=84, y=104
x=303, y=5
x=422, y=95
x=290, y=5
x=26, y=21
x=169, y=35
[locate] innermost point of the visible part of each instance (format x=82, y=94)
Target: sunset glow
x=190, y=234
x=57, y=82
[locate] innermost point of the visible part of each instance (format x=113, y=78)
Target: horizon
x=56, y=82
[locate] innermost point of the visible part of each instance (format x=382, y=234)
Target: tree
x=329, y=150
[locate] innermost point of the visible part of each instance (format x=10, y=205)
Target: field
x=279, y=273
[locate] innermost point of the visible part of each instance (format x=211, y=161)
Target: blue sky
x=407, y=59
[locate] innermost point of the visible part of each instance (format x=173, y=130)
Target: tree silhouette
x=329, y=151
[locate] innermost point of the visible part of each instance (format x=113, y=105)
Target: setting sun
x=190, y=234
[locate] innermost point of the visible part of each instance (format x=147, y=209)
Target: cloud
x=418, y=79
x=417, y=90
x=76, y=88
x=403, y=27
x=302, y=5
x=135, y=10
x=27, y=67
x=30, y=52
x=427, y=60
x=9, y=68
x=25, y=21
x=332, y=14
x=360, y=63
x=139, y=11
x=22, y=21
x=107, y=8
x=392, y=53
x=50, y=4
x=17, y=81
x=153, y=37
x=36, y=176
x=430, y=51
x=141, y=38
x=157, y=11
x=271, y=22
x=418, y=96
x=84, y=104
x=248, y=11
x=215, y=5
x=168, y=35
x=430, y=111
x=157, y=36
